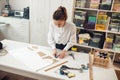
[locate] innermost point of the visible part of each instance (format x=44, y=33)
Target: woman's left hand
x=62, y=54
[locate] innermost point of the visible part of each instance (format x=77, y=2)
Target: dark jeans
x=61, y=46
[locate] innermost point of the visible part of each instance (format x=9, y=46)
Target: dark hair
x=60, y=14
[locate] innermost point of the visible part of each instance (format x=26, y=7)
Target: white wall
x=18, y=29
x=39, y=21
x=15, y=4
x=69, y=6
x=41, y=12
x=41, y=15
x=19, y=4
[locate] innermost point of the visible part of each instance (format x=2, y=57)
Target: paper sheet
x=30, y=58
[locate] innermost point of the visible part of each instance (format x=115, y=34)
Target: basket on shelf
x=101, y=59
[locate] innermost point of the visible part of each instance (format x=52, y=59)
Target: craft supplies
x=101, y=58
x=72, y=55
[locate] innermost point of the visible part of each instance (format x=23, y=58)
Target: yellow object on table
x=74, y=49
x=70, y=75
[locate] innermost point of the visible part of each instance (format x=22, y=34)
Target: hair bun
x=61, y=8
x=60, y=13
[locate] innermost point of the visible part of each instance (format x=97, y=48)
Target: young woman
x=62, y=34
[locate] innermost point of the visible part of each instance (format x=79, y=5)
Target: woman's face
x=59, y=23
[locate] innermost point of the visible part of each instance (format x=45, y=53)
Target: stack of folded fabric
x=79, y=18
x=115, y=22
x=109, y=41
x=116, y=45
x=106, y=4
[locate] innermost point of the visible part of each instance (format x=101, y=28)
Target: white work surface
x=10, y=64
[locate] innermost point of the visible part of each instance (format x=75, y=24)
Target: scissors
x=72, y=55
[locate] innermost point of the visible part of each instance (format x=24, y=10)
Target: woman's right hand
x=55, y=53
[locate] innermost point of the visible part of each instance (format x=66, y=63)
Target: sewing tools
x=72, y=55
x=64, y=71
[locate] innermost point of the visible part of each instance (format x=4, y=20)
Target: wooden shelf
x=96, y=12
x=91, y=9
x=106, y=50
x=111, y=50
x=113, y=32
x=86, y=9
x=89, y=47
x=107, y=31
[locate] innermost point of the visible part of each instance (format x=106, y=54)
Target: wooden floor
x=118, y=74
x=10, y=76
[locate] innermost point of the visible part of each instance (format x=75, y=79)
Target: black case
x=1, y=45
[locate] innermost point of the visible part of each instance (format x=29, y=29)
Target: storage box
x=80, y=3
x=116, y=7
x=110, y=35
x=102, y=17
x=115, y=15
x=108, y=45
x=92, y=19
x=90, y=25
x=116, y=47
x=94, y=5
x=113, y=28
x=117, y=39
x=84, y=39
x=109, y=41
x=100, y=27
x=103, y=22
x=105, y=7
x=106, y=4
x=95, y=42
x=79, y=18
x=79, y=23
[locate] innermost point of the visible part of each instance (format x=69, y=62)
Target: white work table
x=10, y=64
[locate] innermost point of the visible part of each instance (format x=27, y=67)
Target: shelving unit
x=101, y=20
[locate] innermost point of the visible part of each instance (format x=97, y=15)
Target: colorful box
x=84, y=39
x=116, y=7
x=81, y=3
x=116, y=47
x=94, y=5
x=103, y=22
x=92, y=19
x=100, y=27
x=102, y=17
